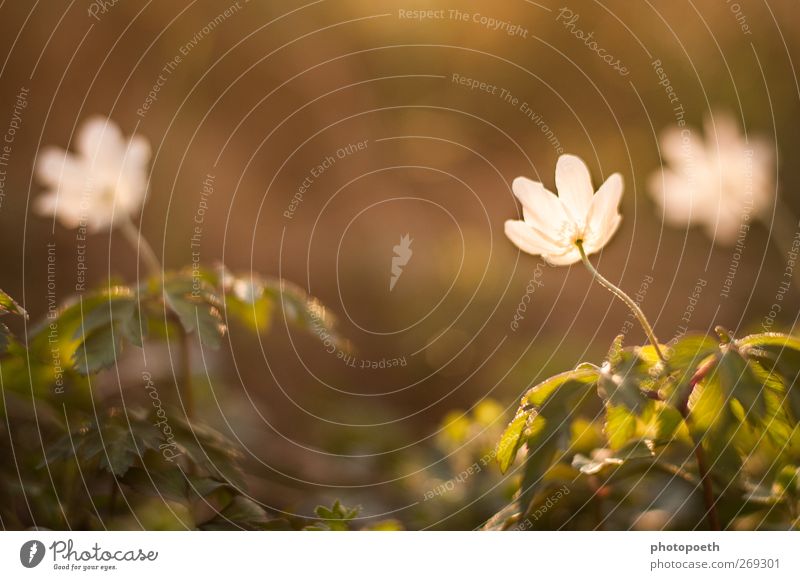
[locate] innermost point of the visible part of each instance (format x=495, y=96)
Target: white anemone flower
x=101, y=185
x=553, y=225
x=719, y=182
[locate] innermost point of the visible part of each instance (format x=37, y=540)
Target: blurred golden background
x=369, y=112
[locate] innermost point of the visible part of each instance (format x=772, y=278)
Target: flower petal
x=541, y=207
x=54, y=167
x=571, y=256
x=599, y=243
x=528, y=239
x=574, y=184
x=138, y=153
x=45, y=205
x=680, y=199
x=100, y=142
x=605, y=207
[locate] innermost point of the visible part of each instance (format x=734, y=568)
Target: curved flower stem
x=132, y=234
x=629, y=302
x=138, y=241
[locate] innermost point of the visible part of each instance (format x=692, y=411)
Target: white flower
x=717, y=182
x=553, y=224
x=100, y=185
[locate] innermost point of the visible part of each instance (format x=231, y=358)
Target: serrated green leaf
x=209, y=450
x=114, y=307
x=197, y=312
x=119, y=454
x=98, y=351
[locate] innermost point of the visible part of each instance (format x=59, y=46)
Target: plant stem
x=143, y=248
x=700, y=456
x=187, y=394
x=705, y=480
x=629, y=302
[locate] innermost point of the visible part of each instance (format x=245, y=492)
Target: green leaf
x=197, y=309
x=614, y=356
x=8, y=304
x=667, y=421
x=550, y=404
x=210, y=451
x=685, y=358
x=247, y=301
x=115, y=306
x=690, y=350
x=243, y=514
x=780, y=354
x=304, y=311
x=623, y=384
x=337, y=518
x=119, y=453
x=636, y=449
x=511, y=440
x=98, y=351
x=713, y=420
x=207, y=486
x=558, y=387
x=135, y=328
x=115, y=444
x=542, y=453
x=157, y=479
x=787, y=482
x=709, y=408
x=739, y=381
x=620, y=426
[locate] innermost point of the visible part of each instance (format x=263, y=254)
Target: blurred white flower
x=553, y=224
x=100, y=185
x=719, y=182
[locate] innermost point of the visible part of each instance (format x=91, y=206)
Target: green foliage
x=254, y=300
x=90, y=447
x=336, y=518
x=196, y=306
x=730, y=400
x=8, y=305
